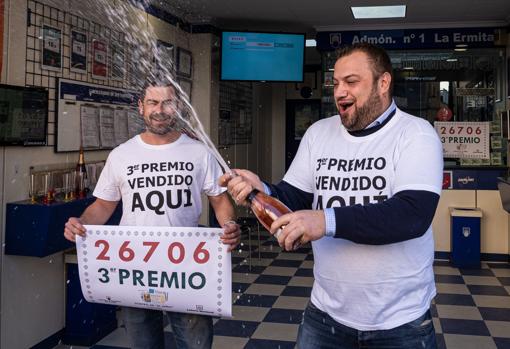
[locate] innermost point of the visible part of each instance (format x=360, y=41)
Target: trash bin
x=465, y=237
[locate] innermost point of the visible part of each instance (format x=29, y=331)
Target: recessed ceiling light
x=451, y=60
x=365, y=12
x=311, y=43
x=461, y=45
x=408, y=68
x=460, y=49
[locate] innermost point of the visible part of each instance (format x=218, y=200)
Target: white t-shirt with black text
x=370, y=287
x=160, y=185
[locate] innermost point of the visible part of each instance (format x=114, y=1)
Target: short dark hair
x=379, y=58
x=156, y=81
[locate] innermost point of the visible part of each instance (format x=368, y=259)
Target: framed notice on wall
x=51, y=56
x=508, y=77
x=78, y=51
x=184, y=62
x=464, y=140
x=99, y=59
x=186, y=87
x=164, y=57
x=118, y=61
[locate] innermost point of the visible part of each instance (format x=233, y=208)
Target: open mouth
x=344, y=106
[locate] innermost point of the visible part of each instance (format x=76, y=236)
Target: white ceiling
x=323, y=15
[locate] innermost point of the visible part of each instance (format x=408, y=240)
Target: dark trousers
x=319, y=331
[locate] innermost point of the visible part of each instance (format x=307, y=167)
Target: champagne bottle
x=81, y=175
x=266, y=208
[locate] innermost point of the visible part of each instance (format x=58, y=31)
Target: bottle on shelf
x=81, y=175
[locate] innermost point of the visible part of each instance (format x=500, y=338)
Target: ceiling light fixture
x=311, y=43
x=367, y=12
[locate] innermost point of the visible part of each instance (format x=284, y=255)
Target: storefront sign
x=81, y=91
x=464, y=140
x=164, y=268
x=411, y=38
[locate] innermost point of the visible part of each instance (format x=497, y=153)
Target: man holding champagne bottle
x=364, y=186
x=184, y=169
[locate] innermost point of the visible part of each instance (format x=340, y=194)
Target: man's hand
x=240, y=183
x=72, y=228
x=231, y=235
x=298, y=228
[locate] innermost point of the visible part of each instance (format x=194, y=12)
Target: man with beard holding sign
x=364, y=186
x=160, y=175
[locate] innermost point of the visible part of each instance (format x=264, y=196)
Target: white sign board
x=464, y=140
x=162, y=268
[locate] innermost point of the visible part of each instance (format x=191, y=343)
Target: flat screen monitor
x=23, y=115
x=250, y=56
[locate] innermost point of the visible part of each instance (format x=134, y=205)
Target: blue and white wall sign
x=411, y=38
x=78, y=91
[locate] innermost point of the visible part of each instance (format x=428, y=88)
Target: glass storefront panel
x=442, y=85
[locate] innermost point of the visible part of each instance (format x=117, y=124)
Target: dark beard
x=172, y=124
x=368, y=112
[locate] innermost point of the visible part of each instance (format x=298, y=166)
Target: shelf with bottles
x=61, y=182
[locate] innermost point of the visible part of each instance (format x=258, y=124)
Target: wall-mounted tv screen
x=23, y=115
x=253, y=56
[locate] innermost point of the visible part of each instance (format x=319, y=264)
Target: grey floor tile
x=458, y=341
x=481, y=280
x=289, y=302
x=444, y=270
x=276, y=331
x=241, y=312
x=284, y=271
x=501, y=272
x=452, y=288
x=265, y=289
x=223, y=342
x=301, y=281
x=292, y=256
x=307, y=265
x=499, y=328
x=244, y=277
x=492, y=301
x=458, y=312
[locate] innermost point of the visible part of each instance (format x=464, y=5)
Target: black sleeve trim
x=407, y=215
x=294, y=198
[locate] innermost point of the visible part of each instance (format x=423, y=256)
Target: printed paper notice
x=106, y=130
x=89, y=117
x=464, y=140
x=164, y=268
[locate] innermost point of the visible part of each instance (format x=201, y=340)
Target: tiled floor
x=471, y=310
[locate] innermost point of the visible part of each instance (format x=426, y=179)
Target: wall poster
x=184, y=62
x=118, y=61
x=464, y=140
x=99, y=59
x=51, y=57
x=164, y=57
x=78, y=51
